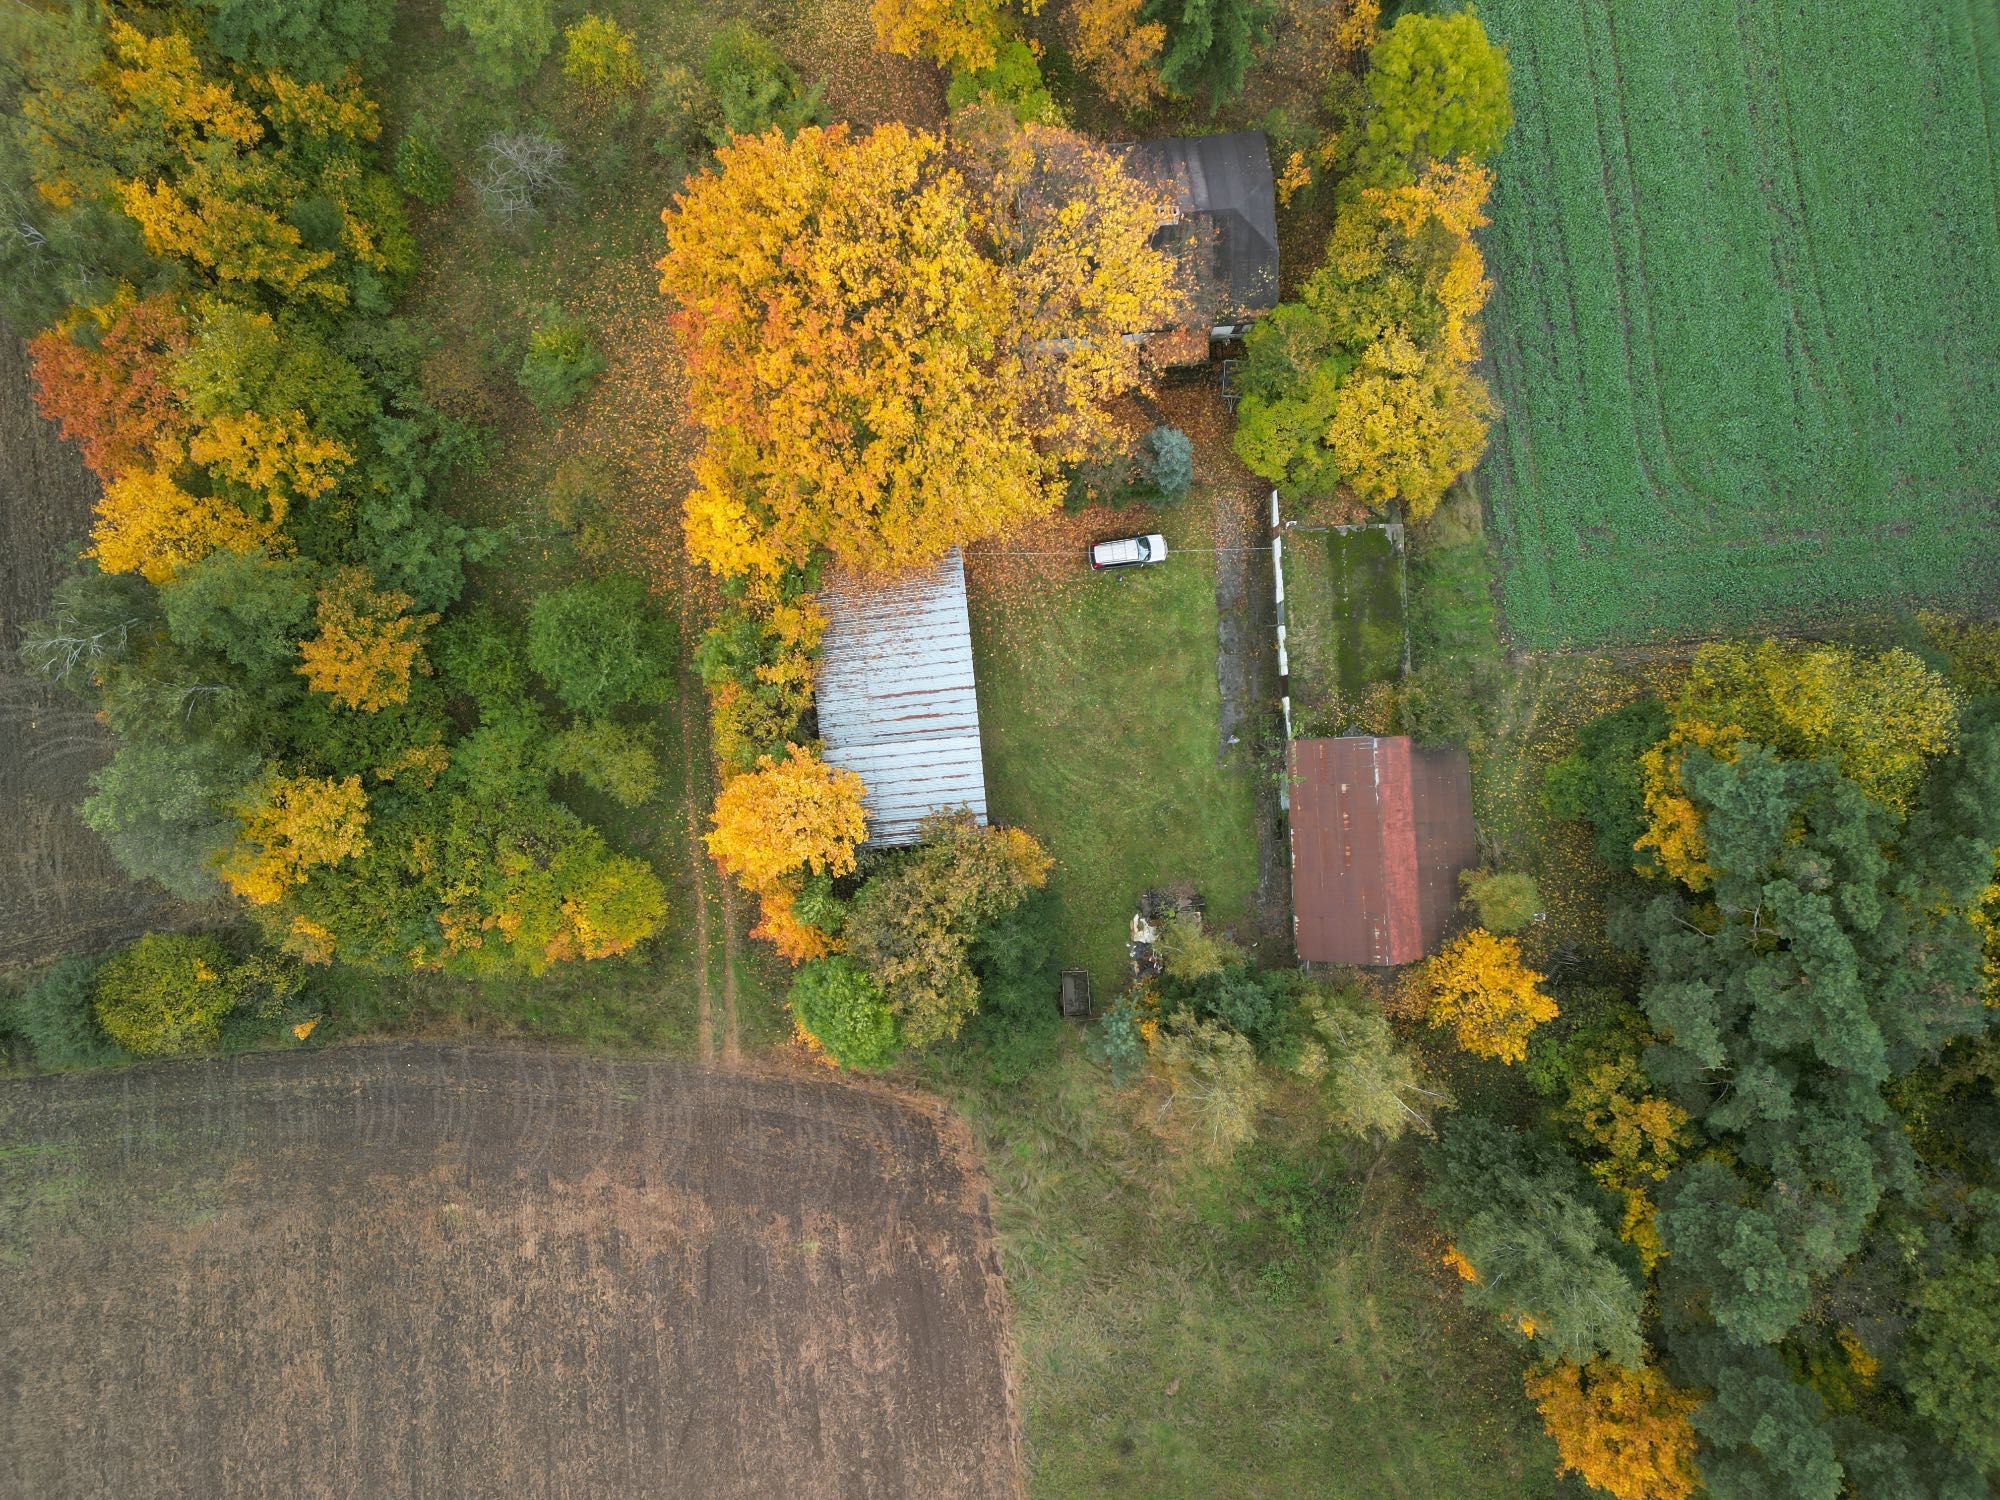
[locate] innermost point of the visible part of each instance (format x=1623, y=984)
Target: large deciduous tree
x=913, y=926
x=788, y=816
x=887, y=363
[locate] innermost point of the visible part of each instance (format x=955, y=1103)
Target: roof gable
x=895, y=696
x=1223, y=187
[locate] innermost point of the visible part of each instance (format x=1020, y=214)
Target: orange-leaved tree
x=1480, y=988
x=368, y=643
x=147, y=524
x=1624, y=1431
x=290, y=826
x=113, y=395
x=786, y=817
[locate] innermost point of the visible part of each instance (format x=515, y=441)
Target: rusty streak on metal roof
x=1380, y=831
x=895, y=696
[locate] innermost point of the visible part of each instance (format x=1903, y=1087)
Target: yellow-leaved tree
x=1625, y=1431
x=147, y=524
x=1120, y=50
x=891, y=349
x=368, y=643
x=1072, y=230
x=1407, y=423
x=1881, y=717
x=291, y=825
x=788, y=817
x=963, y=35
x=1480, y=988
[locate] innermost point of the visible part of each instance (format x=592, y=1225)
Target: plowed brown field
x=424, y=1270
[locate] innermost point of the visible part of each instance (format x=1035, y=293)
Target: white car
x=1129, y=552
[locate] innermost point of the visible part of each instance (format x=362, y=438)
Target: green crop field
x=1747, y=334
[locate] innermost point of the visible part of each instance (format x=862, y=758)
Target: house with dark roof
x=1225, y=224
x=1380, y=831
x=895, y=696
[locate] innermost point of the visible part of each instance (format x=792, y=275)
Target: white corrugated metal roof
x=895, y=696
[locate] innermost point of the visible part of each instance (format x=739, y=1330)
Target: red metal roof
x=1380, y=831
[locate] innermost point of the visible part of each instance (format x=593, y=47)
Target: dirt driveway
x=458, y=1272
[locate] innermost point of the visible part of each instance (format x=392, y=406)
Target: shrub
x=421, y=168
x=53, y=1016
x=1506, y=900
x=1018, y=1021
x=1191, y=952
x=600, y=59
x=509, y=37
x=601, y=645
x=845, y=1011
x=754, y=88
x=610, y=758
x=561, y=362
x=1116, y=1044
x=580, y=499
x=1014, y=83
x=480, y=654
x=522, y=173
x=1599, y=782
x=165, y=994
x=1166, y=458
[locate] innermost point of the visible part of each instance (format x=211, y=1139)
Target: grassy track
x=1746, y=337
x=1099, y=712
x=1344, y=617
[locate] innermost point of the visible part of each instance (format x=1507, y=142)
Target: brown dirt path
x=428, y=1270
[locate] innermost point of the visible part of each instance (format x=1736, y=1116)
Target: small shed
x=1226, y=220
x=896, y=697
x=1380, y=831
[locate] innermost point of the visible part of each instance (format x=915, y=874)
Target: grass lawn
x=1099, y=709
x=1744, y=333
x=1273, y=1329
x=1344, y=607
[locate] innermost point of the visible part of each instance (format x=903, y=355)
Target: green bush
x=1598, y=782
x=53, y=1017
x=602, y=645
x=753, y=88
x=1018, y=1023
x=1166, y=458
x=1115, y=1044
x=421, y=168
x=818, y=906
x=509, y=37
x=1506, y=900
x=611, y=758
x=581, y=499
x=165, y=994
x=561, y=362
x=1014, y=83
x=846, y=1013
x=1439, y=86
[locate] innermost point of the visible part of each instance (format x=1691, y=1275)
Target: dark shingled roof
x=1229, y=215
x=1380, y=831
